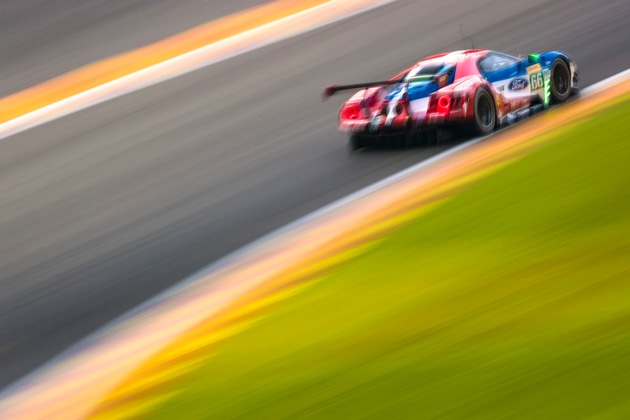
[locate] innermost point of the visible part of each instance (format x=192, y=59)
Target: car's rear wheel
x=560, y=81
x=484, y=118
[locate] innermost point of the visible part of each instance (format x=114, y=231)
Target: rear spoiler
x=332, y=89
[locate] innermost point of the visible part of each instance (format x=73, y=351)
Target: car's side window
x=494, y=62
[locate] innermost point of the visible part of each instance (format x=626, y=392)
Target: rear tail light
x=443, y=104
x=351, y=112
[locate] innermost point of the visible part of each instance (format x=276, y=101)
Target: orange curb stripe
x=109, y=69
x=414, y=197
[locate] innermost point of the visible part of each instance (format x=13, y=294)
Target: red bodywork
x=451, y=104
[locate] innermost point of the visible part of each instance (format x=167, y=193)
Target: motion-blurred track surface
x=41, y=39
x=102, y=209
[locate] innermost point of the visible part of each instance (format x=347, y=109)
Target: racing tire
x=560, y=81
x=484, y=118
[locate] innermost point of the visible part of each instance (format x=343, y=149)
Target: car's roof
x=455, y=57
x=464, y=60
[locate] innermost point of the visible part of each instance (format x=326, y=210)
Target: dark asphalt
x=41, y=39
x=102, y=209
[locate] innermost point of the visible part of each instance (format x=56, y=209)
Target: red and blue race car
x=475, y=89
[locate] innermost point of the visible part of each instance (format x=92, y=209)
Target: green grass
x=510, y=301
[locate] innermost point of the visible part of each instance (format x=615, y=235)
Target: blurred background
x=102, y=209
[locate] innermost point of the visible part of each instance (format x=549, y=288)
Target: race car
x=478, y=90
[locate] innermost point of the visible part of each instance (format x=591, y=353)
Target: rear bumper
x=433, y=120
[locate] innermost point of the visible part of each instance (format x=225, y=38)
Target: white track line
x=262, y=36
x=605, y=83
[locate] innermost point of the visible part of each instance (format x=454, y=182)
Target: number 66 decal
x=536, y=81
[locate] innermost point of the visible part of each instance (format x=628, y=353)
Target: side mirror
x=533, y=58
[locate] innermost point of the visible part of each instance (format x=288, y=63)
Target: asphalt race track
x=104, y=208
x=41, y=39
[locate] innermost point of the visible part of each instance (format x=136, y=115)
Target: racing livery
x=475, y=89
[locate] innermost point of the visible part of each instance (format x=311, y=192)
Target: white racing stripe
x=270, y=33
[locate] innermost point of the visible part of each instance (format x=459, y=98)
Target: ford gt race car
x=478, y=90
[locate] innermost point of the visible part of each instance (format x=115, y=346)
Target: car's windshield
x=495, y=62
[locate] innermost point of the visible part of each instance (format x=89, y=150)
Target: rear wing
x=439, y=78
x=332, y=89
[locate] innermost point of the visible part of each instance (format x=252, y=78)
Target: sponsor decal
x=442, y=80
x=501, y=88
x=518, y=84
x=534, y=69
